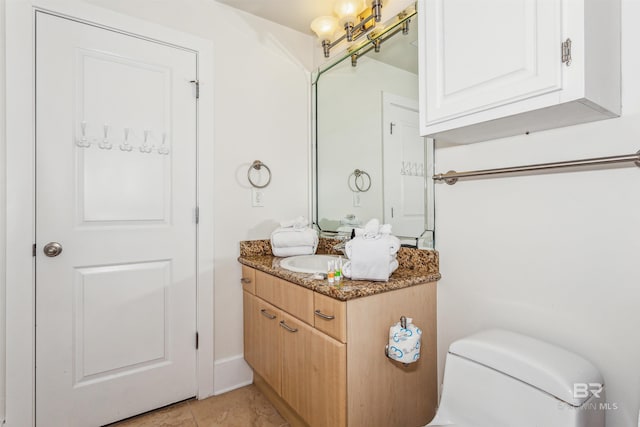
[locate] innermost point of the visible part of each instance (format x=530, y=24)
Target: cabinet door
x=330, y=316
x=329, y=381
x=268, y=343
x=250, y=326
x=481, y=54
x=296, y=365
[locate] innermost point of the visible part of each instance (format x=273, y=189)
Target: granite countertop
x=417, y=266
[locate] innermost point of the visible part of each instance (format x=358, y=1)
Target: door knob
x=52, y=249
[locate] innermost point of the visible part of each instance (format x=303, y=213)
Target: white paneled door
x=116, y=193
x=404, y=166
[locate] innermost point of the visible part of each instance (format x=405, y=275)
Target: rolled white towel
x=393, y=266
x=291, y=237
x=299, y=222
x=293, y=251
x=371, y=229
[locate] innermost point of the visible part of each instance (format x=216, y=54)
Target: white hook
x=144, y=148
x=105, y=144
x=83, y=142
x=126, y=146
x=163, y=148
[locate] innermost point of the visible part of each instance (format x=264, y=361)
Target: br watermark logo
x=585, y=390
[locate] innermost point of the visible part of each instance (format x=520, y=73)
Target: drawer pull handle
x=245, y=280
x=324, y=316
x=265, y=313
x=287, y=327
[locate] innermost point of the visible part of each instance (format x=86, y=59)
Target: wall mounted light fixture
x=355, y=16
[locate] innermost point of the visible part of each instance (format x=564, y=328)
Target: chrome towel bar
x=452, y=177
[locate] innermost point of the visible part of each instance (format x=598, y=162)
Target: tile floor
x=244, y=407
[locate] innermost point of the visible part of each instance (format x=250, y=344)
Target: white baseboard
x=231, y=373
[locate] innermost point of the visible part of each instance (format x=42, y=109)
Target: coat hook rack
x=258, y=165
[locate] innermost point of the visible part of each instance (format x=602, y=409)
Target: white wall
x=350, y=134
x=2, y=211
x=555, y=255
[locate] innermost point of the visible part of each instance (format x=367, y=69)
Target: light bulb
x=324, y=27
x=348, y=10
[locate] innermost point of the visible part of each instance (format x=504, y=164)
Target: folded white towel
x=393, y=266
x=291, y=237
x=299, y=222
x=293, y=251
x=392, y=241
x=371, y=259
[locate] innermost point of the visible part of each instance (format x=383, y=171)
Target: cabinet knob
x=245, y=281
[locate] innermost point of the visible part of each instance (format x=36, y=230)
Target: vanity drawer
x=296, y=300
x=248, y=279
x=330, y=316
x=267, y=287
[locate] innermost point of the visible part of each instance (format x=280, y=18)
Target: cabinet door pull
x=324, y=316
x=287, y=327
x=245, y=280
x=265, y=313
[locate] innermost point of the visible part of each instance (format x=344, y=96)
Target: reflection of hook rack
x=359, y=181
x=257, y=165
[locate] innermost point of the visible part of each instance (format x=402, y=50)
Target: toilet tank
x=498, y=378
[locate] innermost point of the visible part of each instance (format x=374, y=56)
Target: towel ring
x=362, y=185
x=257, y=165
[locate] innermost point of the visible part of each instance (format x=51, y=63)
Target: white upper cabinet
x=495, y=68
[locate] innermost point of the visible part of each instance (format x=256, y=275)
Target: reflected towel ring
x=257, y=165
x=359, y=181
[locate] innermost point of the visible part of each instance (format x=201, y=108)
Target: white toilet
x=498, y=378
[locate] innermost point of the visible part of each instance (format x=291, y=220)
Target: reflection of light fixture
x=348, y=12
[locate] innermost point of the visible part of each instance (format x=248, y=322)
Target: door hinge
x=197, y=214
x=33, y=250
x=197, y=83
x=197, y=340
x=566, y=52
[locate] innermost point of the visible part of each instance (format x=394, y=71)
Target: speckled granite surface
x=416, y=266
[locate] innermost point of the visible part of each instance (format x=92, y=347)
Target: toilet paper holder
x=403, y=324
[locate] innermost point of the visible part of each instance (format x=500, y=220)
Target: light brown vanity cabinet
x=263, y=345
x=321, y=360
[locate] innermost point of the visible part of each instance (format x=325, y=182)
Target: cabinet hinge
x=566, y=52
x=197, y=340
x=197, y=83
x=33, y=250
x=197, y=214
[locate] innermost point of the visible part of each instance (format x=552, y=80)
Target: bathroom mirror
x=370, y=161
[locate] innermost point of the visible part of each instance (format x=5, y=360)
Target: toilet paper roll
x=404, y=343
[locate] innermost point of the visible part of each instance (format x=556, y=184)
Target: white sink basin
x=307, y=263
